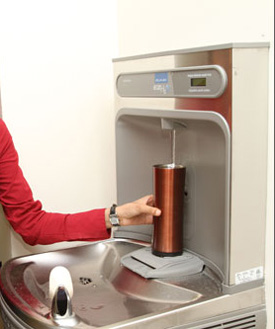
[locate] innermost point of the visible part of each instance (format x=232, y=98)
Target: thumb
x=150, y=210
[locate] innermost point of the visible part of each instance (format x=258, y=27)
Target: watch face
x=114, y=221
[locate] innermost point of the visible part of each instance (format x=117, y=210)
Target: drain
x=85, y=280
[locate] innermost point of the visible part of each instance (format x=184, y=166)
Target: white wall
x=157, y=25
x=160, y=25
x=57, y=100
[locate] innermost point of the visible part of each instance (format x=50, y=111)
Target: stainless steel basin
x=105, y=292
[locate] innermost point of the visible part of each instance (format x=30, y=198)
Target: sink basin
x=105, y=292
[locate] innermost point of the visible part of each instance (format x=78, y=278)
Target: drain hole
x=85, y=281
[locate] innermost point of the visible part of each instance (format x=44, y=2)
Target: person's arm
x=26, y=215
x=40, y=227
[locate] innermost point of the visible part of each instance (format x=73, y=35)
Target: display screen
x=198, y=82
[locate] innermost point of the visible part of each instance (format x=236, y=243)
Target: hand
x=139, y=212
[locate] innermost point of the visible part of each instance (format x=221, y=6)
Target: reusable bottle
x=169, y=181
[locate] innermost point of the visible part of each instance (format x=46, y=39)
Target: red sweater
x=26, y=215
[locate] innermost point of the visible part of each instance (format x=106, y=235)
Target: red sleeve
x=26, y=215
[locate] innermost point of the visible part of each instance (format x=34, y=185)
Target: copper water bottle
x=169, y=195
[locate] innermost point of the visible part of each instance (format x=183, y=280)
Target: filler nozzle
x=172, y=125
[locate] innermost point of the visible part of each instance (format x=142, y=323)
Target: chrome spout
x=61, y=304
x=61, y=292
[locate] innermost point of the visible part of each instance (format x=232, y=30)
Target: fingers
x=144, y=209
x=148, y=199
x=147, y=206
x=139, y=212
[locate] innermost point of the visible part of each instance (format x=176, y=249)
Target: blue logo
x=161, y=77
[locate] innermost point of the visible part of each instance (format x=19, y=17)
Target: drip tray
x=149, y=266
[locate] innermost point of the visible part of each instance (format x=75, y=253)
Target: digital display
x=198, y=82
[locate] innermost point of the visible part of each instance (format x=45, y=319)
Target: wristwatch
x=113, y=216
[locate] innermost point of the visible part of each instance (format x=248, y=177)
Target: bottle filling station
x=191, y=128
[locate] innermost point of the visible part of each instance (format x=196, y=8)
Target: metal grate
x=241, y=323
